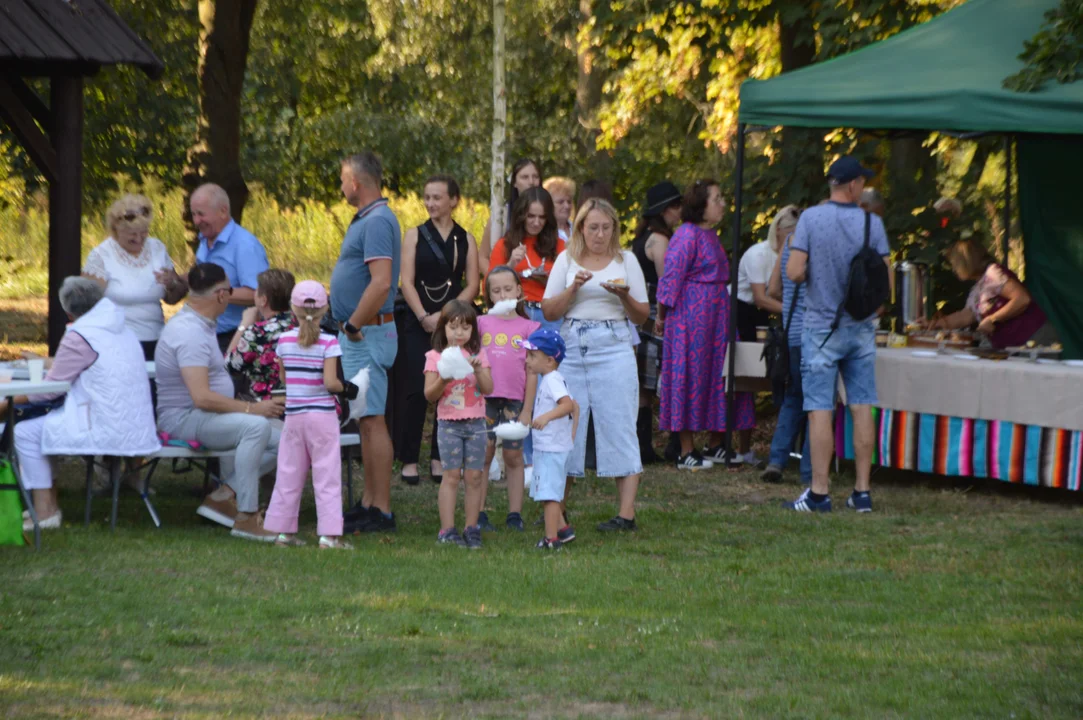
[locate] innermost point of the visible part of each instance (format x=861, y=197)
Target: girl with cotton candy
x=509, y=405
x=456, y=379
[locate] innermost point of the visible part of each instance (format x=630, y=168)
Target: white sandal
x=284, y=540
x=334, y=543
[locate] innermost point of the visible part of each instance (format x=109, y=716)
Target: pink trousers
x=308, y=440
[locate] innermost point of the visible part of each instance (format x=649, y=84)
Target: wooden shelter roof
x=42, y=37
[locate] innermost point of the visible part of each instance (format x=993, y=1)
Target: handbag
x=776, y=354
x=11, y=509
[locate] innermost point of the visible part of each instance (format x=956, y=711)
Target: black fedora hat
x=661, y=196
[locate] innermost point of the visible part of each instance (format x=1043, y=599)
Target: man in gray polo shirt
x=195, y=402
x=362, y=303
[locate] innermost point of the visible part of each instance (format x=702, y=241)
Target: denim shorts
x=462, y=444
x=376, y=351
x=600, y=371
x=502, y=410
x=850, y=350
x=549, y=478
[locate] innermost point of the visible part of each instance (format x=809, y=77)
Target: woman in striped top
x=309, y=367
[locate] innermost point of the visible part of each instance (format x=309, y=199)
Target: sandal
x=284, y=540
x=334, y=543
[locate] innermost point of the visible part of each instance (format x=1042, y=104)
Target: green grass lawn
x=944, y=603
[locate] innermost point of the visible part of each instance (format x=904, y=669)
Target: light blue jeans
x=600, y=371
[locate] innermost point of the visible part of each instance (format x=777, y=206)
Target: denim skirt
x=600, y=371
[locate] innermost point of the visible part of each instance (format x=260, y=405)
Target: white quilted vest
x=108, y=409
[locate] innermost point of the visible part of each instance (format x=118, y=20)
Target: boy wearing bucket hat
x=556, y=416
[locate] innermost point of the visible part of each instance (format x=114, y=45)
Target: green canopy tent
x=947, y=75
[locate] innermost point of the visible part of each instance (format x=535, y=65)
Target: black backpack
x=867, y=287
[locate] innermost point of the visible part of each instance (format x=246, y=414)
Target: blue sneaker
x=860, y=501
x=566, y=534
x=804, y=504
x=483, y=522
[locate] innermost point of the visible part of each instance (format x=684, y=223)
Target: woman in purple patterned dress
x=693, y=309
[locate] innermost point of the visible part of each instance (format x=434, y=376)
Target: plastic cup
x=37, y=370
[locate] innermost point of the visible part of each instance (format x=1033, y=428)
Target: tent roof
x=945, y=74
x=42, y=37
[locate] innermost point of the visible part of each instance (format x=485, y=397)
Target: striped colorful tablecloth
x=962, y=447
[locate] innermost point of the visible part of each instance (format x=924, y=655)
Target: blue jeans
x=850, y=350
x=791, y=420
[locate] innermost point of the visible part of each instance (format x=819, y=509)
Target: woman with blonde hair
x=136, y=270
x=597, y=288
x=1002, y=307
x=563, y=191
x=754, y=304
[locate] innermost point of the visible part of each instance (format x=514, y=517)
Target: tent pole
x=731, y=404
x=1006, y=236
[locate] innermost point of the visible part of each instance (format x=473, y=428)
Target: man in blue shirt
x=228, y=245
x=826, y=240
x=362, y=303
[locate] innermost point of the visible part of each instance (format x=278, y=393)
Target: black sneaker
x=693, y=461
x=618, y=523
x=773, y=474
x=547, y=544
x=717, y=455
x=472, y=537
x=375, y=523
x=566, y=534
x=450, y=536
x=483, y=522
x=515, y=522
x=357, y=512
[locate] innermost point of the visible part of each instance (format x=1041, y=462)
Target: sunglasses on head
x=227, y=291
x=132, y=215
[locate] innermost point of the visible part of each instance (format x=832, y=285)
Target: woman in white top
x=135, y=270
x=597, y=288
x=754, y=305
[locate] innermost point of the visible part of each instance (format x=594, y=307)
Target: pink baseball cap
x=308, y=291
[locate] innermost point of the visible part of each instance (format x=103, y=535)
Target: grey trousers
x=254, y=440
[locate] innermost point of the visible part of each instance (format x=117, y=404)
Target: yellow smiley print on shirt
x=487, y=339
x=517, y=342
x=501, y=339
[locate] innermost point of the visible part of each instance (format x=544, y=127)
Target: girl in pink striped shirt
x=309, y=367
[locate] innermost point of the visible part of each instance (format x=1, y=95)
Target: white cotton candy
x=511, y=430
x=361, y=380
x=453, y=365
x=504, y=307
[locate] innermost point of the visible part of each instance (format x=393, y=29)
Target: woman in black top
x=662, y=213
x=439, y=264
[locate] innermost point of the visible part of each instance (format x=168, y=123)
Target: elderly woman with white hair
x=108, y=409
x=135, y=270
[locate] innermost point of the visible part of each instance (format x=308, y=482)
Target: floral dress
x=255, y=358
x=692, y=387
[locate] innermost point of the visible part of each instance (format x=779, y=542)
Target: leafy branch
x=1055, y=52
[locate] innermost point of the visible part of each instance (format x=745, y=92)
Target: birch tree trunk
x=500, y=125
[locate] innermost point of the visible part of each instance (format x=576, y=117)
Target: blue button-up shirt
x=241, y=255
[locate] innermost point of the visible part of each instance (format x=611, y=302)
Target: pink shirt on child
x=461, y=399
x=305, y=391
x=502, y=338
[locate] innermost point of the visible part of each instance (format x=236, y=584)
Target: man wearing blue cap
x=556, y=416
x=827, y=239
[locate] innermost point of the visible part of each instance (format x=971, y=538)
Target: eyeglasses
x=133, y=215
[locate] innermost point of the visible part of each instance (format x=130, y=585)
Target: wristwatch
x=350, y=329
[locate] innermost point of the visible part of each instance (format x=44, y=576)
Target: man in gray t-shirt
x=826, y=240
x=195, y=402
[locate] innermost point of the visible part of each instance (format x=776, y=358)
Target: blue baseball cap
x=547, y=341
x=846, y=169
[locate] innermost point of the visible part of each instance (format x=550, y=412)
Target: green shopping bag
x=11, y=509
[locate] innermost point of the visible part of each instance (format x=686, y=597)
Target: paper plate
x=923, y=353
x=1047, y=361
x=964, y=356
x=1074, y=363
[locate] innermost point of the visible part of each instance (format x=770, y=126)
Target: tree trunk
x=802, y=148
x=223, y=54
x=500, y=125
x=588, y=91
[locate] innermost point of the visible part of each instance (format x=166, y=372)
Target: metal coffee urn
x=911, y=293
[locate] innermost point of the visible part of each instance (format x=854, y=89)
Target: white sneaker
x=49, y=523
x=528, y=476
x=494, y=470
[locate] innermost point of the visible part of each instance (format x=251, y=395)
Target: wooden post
x=500, y=110
x=65, y=194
